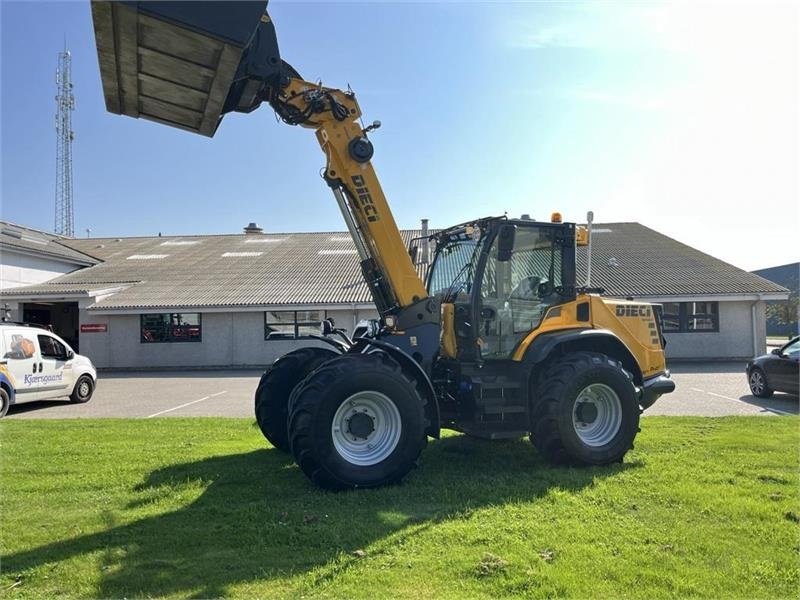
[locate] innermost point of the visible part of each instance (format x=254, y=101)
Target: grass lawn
x=201, y=507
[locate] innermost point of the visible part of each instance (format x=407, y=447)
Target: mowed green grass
x=203, y=508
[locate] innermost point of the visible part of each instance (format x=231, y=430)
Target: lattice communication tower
x=65, y=102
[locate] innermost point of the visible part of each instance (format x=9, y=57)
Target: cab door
x=55, y=369
x=518, y=282
x=21, y=350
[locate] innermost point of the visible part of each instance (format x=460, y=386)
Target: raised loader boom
x=186, y=64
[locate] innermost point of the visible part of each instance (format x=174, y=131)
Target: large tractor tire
x=275, y=388
x=587, y=411
x=357, y=422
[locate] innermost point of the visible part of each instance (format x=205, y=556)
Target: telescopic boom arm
x=334, y=115
x=187, y=64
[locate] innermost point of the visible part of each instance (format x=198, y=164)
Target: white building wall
x=229, y=339
x=18, y=269
x=734, y=340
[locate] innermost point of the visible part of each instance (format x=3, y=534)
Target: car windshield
x=792, y=349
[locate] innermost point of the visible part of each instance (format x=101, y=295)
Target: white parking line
x=187, y=404
x=726, y=397
x=769, y=409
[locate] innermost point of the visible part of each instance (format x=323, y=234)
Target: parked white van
x=42, y=366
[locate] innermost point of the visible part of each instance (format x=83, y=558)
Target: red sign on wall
x=94, y=328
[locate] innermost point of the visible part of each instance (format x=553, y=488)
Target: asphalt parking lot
x=703, y=389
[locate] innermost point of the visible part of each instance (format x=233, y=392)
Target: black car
x=775, y=372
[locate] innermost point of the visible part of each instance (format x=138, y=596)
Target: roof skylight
x=264, y=240
x=334, y=252
x=147, y=256
x=238, y=254
x=180, y=242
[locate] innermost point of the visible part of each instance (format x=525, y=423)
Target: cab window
x=50, y=347
x=515, y=293
x=453, y=269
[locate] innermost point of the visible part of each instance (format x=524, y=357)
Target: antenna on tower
x=65, y=104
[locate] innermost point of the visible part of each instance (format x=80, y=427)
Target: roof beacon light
x=555, y=217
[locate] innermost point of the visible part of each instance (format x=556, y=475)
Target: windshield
x=454, y=267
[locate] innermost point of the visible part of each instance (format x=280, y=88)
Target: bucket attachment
x=185, y=64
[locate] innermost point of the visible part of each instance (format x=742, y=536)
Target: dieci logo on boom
x=365, y=198
x=633, y=310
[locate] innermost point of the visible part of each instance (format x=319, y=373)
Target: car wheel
x=758, y=383
x=5, y=402
x=82, y=392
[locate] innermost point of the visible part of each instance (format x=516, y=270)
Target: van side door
x=54, y=375
x=22, y=354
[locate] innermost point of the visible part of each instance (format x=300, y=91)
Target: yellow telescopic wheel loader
x=499, y=342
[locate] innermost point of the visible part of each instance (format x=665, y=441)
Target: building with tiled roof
x=246, y=299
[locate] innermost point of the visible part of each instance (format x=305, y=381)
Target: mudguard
x=573, y=340
x=413, y=369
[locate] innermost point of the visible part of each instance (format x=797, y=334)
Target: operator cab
x=501, y=275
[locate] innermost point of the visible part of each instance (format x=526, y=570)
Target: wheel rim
x=757, y=382
x=366, y=428
x=597, y=415
x=83, y=389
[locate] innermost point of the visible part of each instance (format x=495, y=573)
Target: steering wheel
x=545, y=289
x=526, y=289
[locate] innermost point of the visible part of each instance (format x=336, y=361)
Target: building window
x=683, y=317
x=291, y=324
x=171, y=327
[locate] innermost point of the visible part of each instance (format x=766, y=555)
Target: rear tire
x=83, y=390
x=757, y=380
x=5, y=402
x=275, y=388
x=587, y=411
x=357, y=422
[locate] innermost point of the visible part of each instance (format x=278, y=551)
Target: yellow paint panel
x=448, y=334
x=633, y=323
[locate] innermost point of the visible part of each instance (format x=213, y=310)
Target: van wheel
x=5, y=402
x=275, y=387
x=587, y=412
x=82, y=392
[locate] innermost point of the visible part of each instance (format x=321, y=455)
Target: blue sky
x=680, y=116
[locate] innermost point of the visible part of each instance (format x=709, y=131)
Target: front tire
x=587, y=411
x=357, y=422
x=275, y=388
x=758, y=384
x=5, y=402
x=83, y=390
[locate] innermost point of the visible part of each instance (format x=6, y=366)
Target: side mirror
x=70, y=355
x=777, y=352
x=413, y=251
x=505, y=242
x=326, y=326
